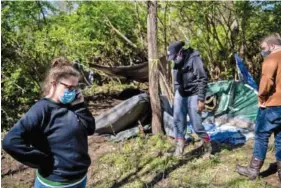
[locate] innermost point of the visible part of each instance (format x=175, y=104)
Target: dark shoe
x=252, y=171
x=179, y=148
x=279, y=169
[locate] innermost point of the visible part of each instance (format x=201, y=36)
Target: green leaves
x=33, y=33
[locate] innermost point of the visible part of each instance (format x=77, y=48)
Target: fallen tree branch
x=119, y=33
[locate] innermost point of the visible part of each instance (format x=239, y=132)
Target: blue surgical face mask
x=265, y=53
x=68, y=96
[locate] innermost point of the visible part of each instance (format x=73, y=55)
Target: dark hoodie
x=190, y=77
x=52, y=137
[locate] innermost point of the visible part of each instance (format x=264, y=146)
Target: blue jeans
x=268, y=122
x=79, y=184
x=182, y=106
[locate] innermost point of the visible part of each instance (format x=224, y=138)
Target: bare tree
x=153, y=67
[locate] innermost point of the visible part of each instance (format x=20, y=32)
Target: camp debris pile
x=231, y=109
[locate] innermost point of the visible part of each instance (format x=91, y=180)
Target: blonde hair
x=61, y=67
x=272, y=39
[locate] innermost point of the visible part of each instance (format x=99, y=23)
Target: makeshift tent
x=231, y=121
x=236, y=99
x=127, y=114
x=231, y=106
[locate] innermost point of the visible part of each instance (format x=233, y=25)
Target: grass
x=143, y=162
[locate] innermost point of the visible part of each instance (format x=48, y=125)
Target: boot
x=179, y=148
x=279, y=170
x=252, y=171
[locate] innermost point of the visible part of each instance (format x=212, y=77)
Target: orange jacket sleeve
x=269, y=69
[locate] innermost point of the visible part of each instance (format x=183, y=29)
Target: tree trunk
x=153, y=67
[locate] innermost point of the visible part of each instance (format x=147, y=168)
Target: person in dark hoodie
x=190, y=85
x=52, y=135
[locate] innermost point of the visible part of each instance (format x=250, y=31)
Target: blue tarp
x=244, y=74
x=224, y=134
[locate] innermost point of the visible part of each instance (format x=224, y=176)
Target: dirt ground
x=14, y=174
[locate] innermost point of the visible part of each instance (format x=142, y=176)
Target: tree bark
x=169, y=70
x=153, y=67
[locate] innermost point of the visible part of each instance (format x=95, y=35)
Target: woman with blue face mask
x=52, y=135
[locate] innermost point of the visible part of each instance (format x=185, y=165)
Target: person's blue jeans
x=268, y=122
x=79, y=184
x=182, y=107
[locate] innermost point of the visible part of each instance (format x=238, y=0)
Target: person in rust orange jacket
x=269, y=115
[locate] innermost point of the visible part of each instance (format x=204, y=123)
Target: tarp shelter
x=234, y=113
x=236, y=99
x=127, y=114
x=137, y=72
x=232, y=120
